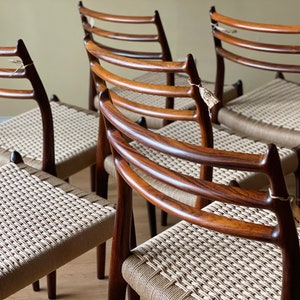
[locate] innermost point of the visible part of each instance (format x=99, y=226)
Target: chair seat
x=269, y=113
x=230, y=92
x=45, y=223
x=189, y=262
x=78, y=140
x=223, y=139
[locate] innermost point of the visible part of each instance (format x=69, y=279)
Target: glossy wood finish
x=132, y=30
x=24, y=69
x=103, y=75
x=128, y=160
x=225, y=35
x=141, y=37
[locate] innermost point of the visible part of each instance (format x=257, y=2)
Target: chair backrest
x=24, y=69
x=236, y=40
x=140, y=37
x=131, y=166
x=102, y=76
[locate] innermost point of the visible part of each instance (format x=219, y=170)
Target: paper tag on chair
x=208, y=96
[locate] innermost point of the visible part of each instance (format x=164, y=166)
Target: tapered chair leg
x=36, y=286
x=152, y=219
x=101, y=254
x=51, y=284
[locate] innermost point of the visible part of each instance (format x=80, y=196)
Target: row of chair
x=203, y=256
x=177, y=168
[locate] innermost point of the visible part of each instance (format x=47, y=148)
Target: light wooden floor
x=77, y=280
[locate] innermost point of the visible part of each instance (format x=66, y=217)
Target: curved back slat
x=99, y=56
x=158, y=35
x=132, y=166
x=232, y=36
x=141, y=37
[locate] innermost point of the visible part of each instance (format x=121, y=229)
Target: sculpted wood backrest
x=130, y=164
x=236, y=40
x=140, y=37
x=191, y=90
x=24, y=69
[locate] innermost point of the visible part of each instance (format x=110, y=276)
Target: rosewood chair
x=270, y=112
x=191, y=125
x=244, y=245
x=141, y=37
x=45, y=223
x=55, y=137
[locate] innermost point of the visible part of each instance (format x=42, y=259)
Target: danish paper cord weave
x=75, y=132
x=190, y=262
x=37, y=218
x=189, y=132
x=270, y=112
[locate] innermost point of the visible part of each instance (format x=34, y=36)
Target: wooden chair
x=141, y=37
x=244, y=245
x=45, y=223
x=55, y=137
x=269, y=112
x=191, y=125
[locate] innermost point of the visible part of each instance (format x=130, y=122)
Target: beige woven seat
x=140, y=37
x=244, y=245
x=75, y=145
x=190, y=262
x=269, y=112
x=45, y=223
x=55, y=137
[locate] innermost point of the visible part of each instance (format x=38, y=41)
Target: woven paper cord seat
x=75, y=134
x=140, y=37
x=190, y=262
x=45, y=223
x=251, y=113
x=269, y=112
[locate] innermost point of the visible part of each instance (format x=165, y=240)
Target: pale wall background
x=52, y=32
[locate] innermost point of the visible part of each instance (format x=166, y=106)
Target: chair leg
x=51, y=285
x=164, y=218
x=101, y=255
x=239, y=87
x=101, y=190
x=93, y=178
x=36, y=286
x=152, y=219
